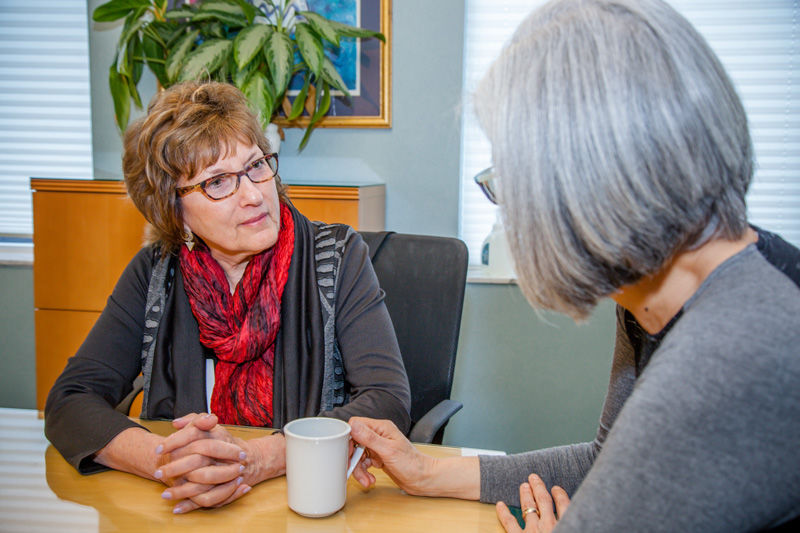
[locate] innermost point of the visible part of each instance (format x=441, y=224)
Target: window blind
x=758, y=44
x=45, y=112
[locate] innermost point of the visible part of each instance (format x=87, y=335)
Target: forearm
x=80, y=425
x=132, y=451
x=452, y=477
x=501, y=476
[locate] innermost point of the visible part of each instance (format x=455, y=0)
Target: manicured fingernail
x=246, y=490
x=159, y=449
x=178, y=509
x=242, y=456
x=205, y=415
x=159, y=474
x=167, y=495
x=241, y=468
x=239, y=480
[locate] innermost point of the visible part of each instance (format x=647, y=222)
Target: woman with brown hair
x=238, y=306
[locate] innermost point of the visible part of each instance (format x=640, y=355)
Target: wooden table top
x=40, y=491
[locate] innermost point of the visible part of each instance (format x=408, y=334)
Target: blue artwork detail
x=345, y=57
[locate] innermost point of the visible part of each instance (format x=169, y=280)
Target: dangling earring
x=188, y=239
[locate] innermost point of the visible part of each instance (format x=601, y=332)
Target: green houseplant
x=258, y=49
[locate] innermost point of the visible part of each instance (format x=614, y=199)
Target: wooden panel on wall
x=363, y=208
x=59, y=334
x=84, y=238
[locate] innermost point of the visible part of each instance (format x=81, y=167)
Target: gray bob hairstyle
x=618, y=140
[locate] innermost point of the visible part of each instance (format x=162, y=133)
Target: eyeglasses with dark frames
x=222, y=186
x=487, y=181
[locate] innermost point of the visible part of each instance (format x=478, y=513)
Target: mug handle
x=357, y=453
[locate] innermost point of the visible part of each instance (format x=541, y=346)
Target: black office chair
x=424, y=278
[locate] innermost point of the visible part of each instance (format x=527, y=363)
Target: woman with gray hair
x=622, y=159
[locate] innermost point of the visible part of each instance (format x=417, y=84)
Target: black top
x=80, y=418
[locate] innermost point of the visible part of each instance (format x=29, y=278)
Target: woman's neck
x=233, y=267
x=654, y=300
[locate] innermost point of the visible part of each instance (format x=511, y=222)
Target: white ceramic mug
x=316, y=465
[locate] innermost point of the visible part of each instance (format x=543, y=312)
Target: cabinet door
x=82, y=243
x=59, y=334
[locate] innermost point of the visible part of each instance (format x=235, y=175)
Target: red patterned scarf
x=241, y=327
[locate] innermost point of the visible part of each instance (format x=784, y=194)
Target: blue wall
x=526, y=379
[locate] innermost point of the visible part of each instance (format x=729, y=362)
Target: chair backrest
x=424, y=278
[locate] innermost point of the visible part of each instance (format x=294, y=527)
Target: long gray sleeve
x=565, y=466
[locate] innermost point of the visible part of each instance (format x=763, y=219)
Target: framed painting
x=365, y=66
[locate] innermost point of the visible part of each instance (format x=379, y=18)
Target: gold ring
x=529, y=510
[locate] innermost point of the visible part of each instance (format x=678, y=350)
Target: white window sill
x=481, y=274
x=16, y=253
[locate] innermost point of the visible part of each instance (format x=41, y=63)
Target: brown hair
x=188, y=127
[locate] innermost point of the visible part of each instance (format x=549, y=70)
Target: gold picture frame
x=371, y=104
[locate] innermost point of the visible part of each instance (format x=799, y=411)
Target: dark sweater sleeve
x=374, y=369
x=565, y=466
x=80, y=418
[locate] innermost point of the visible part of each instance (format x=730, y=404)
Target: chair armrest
x=427, y=426
x=124, y=406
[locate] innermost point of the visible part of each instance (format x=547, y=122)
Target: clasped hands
x=203, y=465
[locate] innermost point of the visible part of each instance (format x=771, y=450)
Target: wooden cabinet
x=86, y=232
x=361, y=206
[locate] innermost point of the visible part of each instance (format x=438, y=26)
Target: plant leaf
x=178, y=54
x=134, y=92
x=135, y=60
x=306, y=137
x=161, y=32
x=241, y=76
x=345, y=30
x=299, y=101
x=178, y=31
x=258, y=93
x=280, y=57
x=222, y=6
x=117, y=9
x=133, y=22
x=232, y=21
x=311, y=100
x=205, y=59
x=154, y=55
x=120, y=95
x=322, y=26
x=248, y=9
x=179, y=13
x=310, y=47
x=248, y=43
x=331, y=75
x=324, y=104
x=213, y=28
